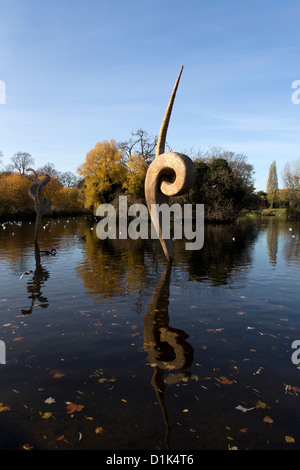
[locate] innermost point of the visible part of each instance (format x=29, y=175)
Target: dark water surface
x=107, y=348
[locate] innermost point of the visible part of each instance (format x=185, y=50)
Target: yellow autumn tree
x=14, y=194
x=135, y=178
x=104, y=172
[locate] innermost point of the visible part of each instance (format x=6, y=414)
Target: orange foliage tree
x=104, y=172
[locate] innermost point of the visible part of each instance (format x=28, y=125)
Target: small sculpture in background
x=170, y=174
x=41, y=205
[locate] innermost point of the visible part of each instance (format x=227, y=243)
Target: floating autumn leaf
x=243, y=408
x=291, y=388
x=72, y=407
x=49, y=400
x=57, y=374
x=261, y=404
x=224, y=381
x=4, y=408
x=27, y=447
x=99, y=430
x=289, y=439
x=267, y=419
x=243, y=430
x=101, y=381
x=47, y=415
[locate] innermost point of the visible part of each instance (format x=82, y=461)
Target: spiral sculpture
x=41, y=205
x=170, y=174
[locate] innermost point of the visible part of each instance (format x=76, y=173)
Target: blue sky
x=79, y=72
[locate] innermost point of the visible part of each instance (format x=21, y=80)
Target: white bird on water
x=25, y=272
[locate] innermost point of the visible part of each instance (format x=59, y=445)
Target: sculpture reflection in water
x=35, y=284
x=167, y=348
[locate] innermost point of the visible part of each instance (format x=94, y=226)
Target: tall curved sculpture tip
x=161, y=141
x=170, y=174
x=41, y=205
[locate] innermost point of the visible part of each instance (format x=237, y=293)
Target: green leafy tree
x=217, y=188
x=272, y=184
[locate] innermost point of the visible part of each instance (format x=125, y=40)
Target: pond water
x=108, y=348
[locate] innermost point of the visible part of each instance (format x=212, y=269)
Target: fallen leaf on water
x=261, y=404
x=4, y=408
x=99, y=430
x=72, y=407
x=57, y=374
x=243, y=409
x=291, y=388
x=18, y=338
x=244, y=430
x=27, y=447
x=49, y=400
x=101, y=381
x=267, y=419
x=224, y=381
x=289, y=439
x=185, y=410
x=47, y=415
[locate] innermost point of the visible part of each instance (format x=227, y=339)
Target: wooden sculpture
x=41, y=205
x=170, y=174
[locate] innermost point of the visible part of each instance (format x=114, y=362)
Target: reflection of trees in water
x=116, y=267
x=119, y=267
x=282, y=239
x=291, y=248
x=272, y=240
x=226, y=249
x=167, y=348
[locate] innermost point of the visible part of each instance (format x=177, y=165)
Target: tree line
x=63, y=190
x=224, y=180
x=289, y=196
